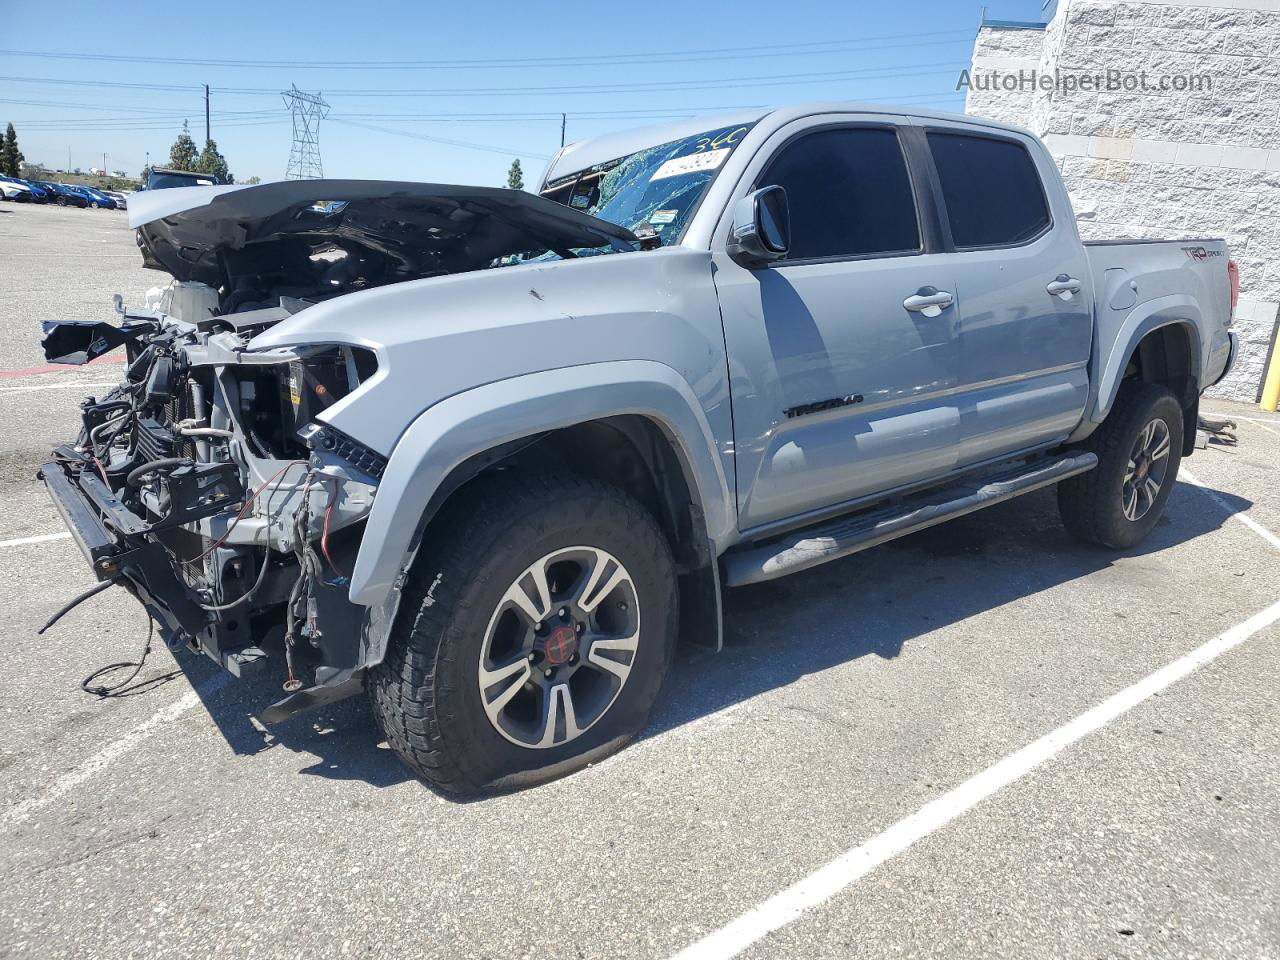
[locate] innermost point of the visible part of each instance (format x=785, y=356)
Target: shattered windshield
x=658, y=187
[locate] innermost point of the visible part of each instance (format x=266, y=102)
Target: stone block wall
x=1004, y=51
x=1199, y=161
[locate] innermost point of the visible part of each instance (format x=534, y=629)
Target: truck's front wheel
x=1139, y=448
x=533, y=637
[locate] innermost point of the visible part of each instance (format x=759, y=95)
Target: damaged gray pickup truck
x=486, y=454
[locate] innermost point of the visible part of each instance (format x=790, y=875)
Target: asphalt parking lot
x=863, y=714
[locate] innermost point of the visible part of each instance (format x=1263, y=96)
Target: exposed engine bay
x=208, y=483
x=235, y=511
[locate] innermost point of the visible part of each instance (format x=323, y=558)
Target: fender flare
x=469, y=423
x=1177, y=310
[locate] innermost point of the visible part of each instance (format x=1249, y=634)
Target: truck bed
x=1139, y=283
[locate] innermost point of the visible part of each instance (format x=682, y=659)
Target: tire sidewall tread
x=425, y=694
x=1090, y=504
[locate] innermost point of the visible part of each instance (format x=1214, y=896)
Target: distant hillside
x=84, y=179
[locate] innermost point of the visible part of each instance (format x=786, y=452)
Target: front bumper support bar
x=111, y=539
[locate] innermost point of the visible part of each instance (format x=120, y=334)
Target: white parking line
x=823, y=884
x=20, y=812
x=59, y=386
x=1268, y=425
x=1275, y=422
x=1248, y=521
x=42, y=538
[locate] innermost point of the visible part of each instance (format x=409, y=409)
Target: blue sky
x=492, y=75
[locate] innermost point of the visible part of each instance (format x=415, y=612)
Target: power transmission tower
x=308, y=110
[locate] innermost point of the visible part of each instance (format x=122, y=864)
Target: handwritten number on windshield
x=726, y=139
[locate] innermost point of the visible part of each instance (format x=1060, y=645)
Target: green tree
x=182, y=155
x=253, y=180
x=211, y=161
x=10, y=156
x=515, y=176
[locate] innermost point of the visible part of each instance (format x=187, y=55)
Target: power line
x=490, y=148
x=108, y=124
x=178, y=87
x=470, y=115
x=524, y=118
x=510, y=151
x=140, y=127
x=886, y=72
x=165, y=111
x=660, y=86
x=668, y=56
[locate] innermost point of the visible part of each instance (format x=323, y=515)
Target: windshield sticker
x=693, y=163
x=663, y=216
x=581, y=200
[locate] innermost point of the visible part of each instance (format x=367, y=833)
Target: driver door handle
x=929, y=301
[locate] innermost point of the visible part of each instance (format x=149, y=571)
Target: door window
x=991, y=190
x=848, y=194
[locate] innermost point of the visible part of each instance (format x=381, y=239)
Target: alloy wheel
x=1145, y=473
x=559, y=647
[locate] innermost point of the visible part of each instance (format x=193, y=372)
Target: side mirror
x=761, y=227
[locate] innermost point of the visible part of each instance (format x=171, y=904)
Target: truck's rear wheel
x=534, y=635
x=1139, y=448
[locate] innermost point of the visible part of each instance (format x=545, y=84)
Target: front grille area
x=187, y=549
x=154, y=438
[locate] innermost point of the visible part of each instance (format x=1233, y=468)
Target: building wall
x=1004, y=51
x=1166, y=163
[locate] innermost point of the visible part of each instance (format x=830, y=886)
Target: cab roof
x=610, y=146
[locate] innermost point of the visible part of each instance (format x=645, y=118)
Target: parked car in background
x=160, y=178
x=16, y=191
x=66, y=196
x=121, y=201
x=97, y=199
x=38, y=193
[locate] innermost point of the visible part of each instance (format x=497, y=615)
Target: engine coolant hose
x=134, y=479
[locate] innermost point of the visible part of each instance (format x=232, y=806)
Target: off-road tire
x=1091, y=504
x=425, y=692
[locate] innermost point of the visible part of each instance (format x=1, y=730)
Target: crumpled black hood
x=396, y=230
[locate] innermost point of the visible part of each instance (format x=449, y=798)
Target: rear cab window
x=991, y=191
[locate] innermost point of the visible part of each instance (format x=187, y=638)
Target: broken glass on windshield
x=658, y=188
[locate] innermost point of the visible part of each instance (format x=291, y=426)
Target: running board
x=849, y=534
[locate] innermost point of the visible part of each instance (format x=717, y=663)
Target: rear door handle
x=1063, y=286
x=929, y=301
